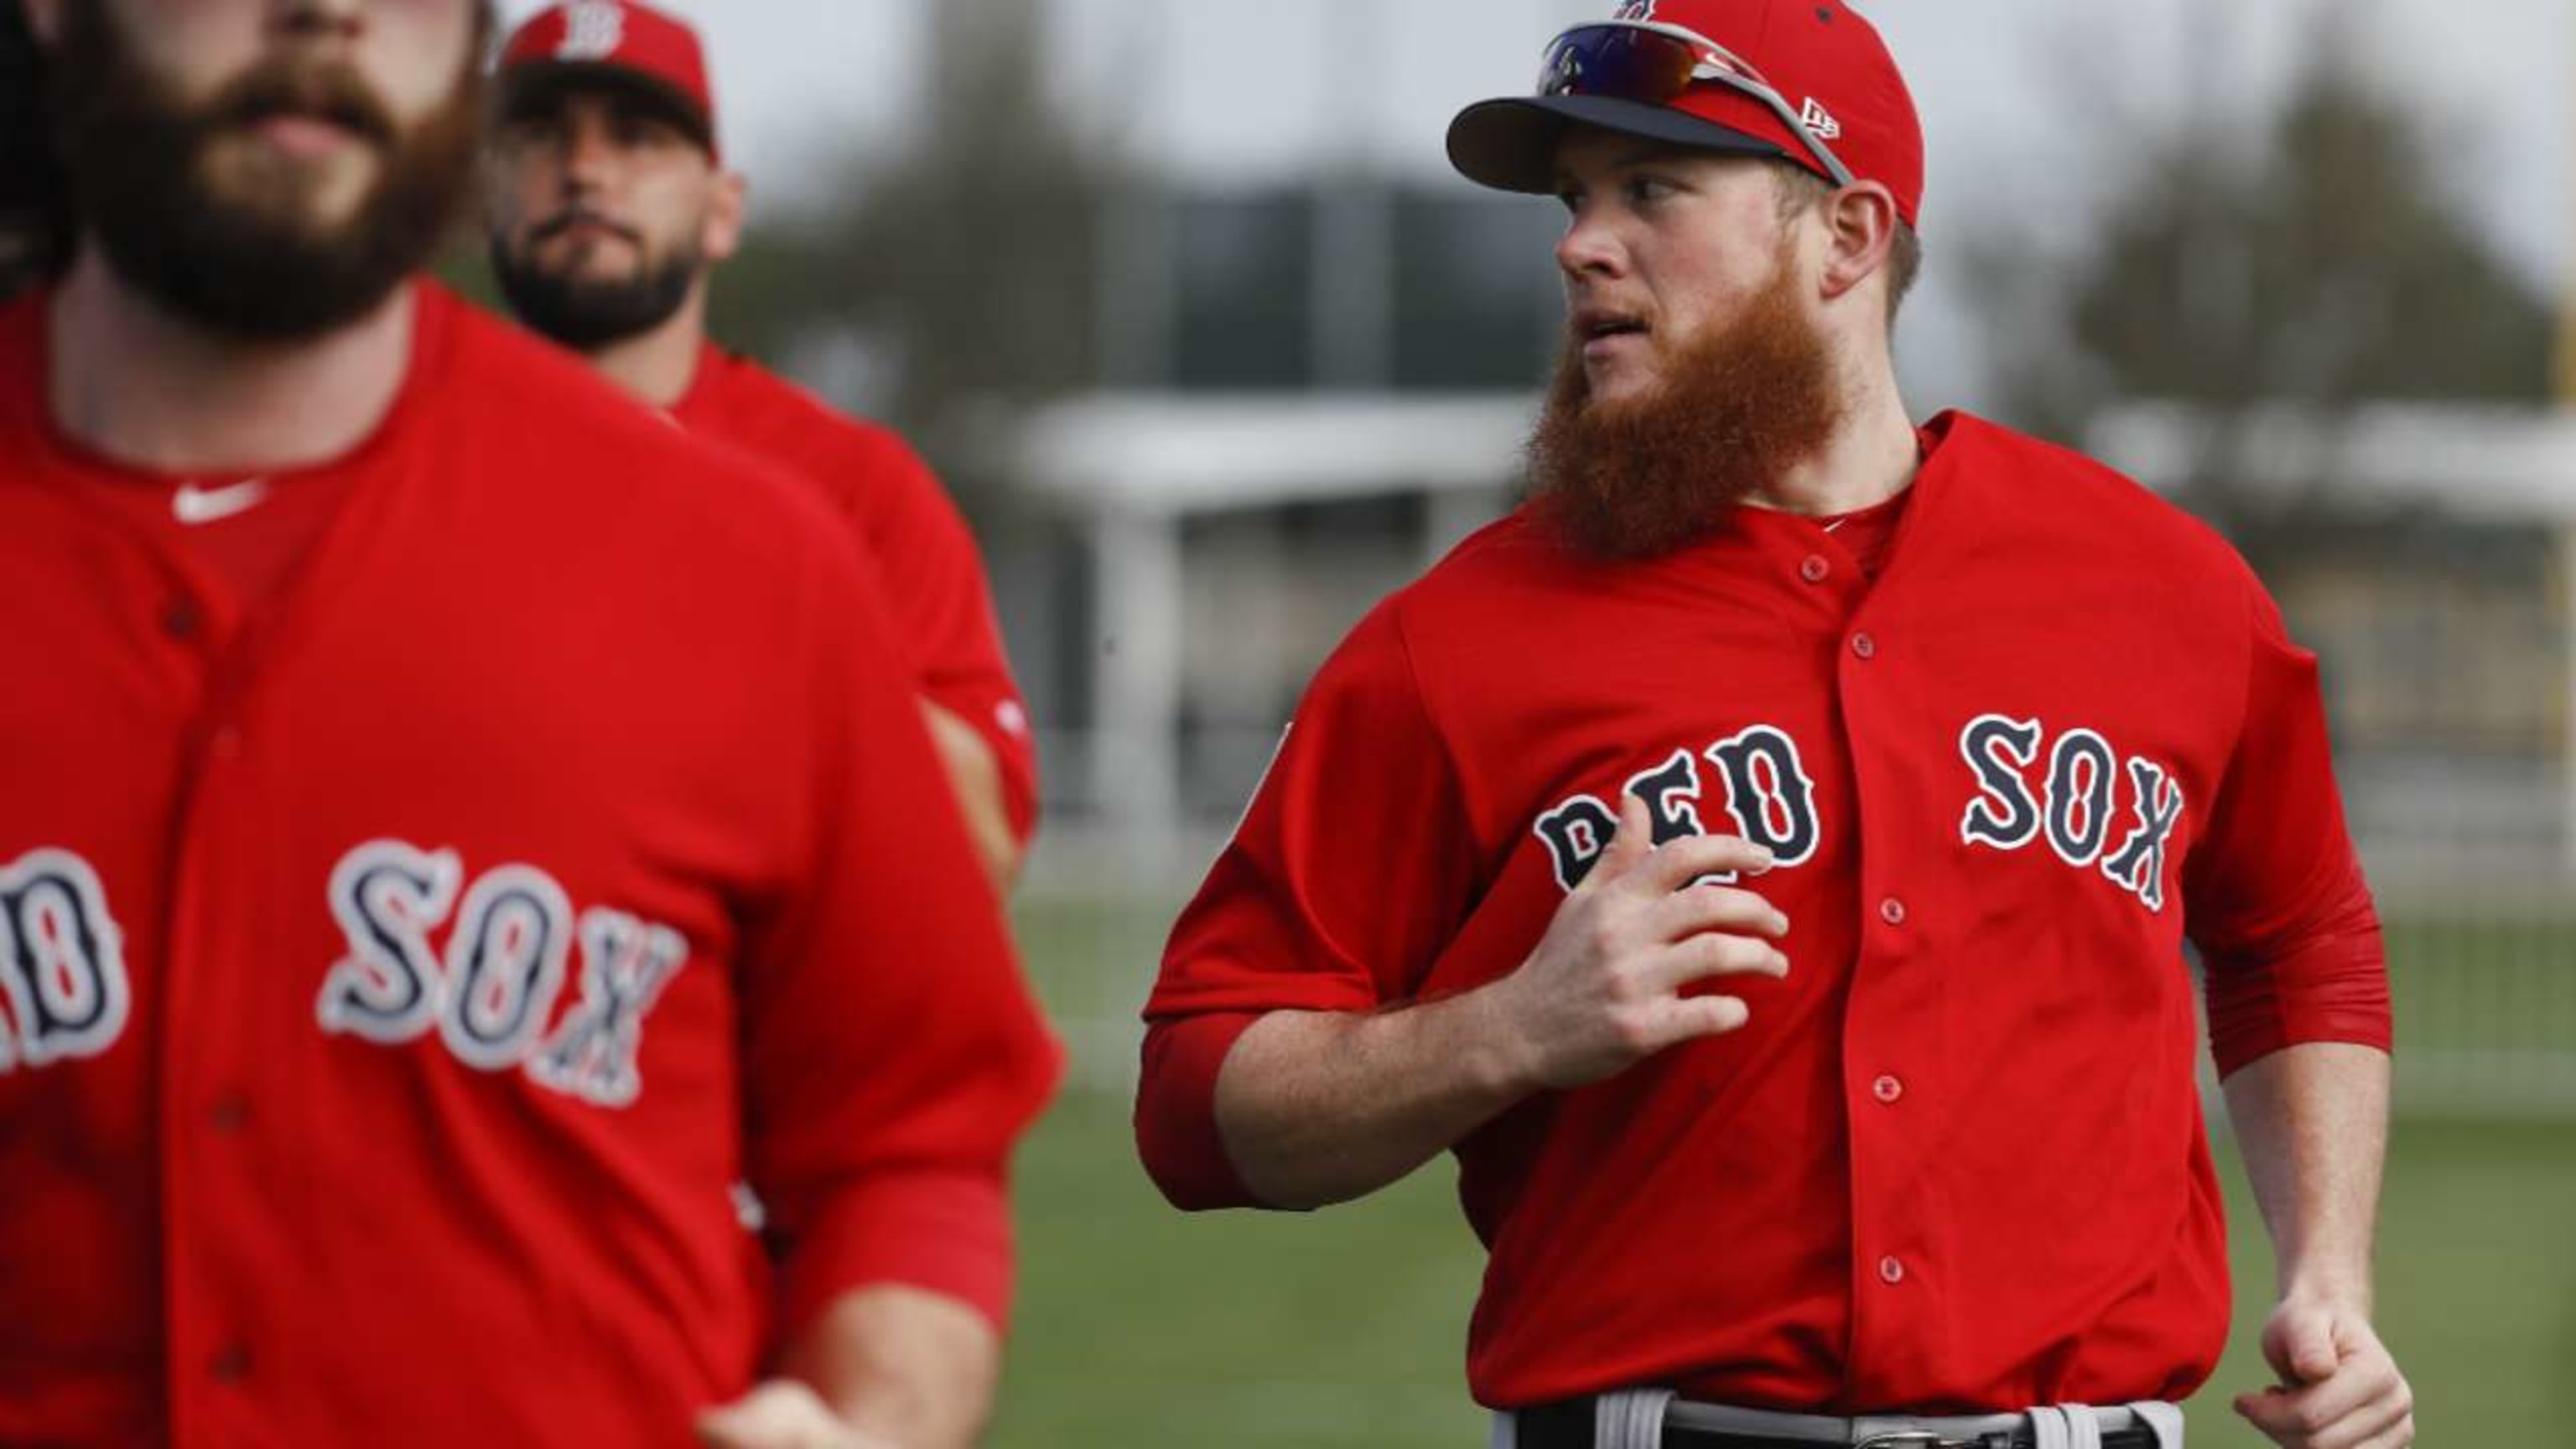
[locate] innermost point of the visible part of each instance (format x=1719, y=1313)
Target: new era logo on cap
x=1821, y=121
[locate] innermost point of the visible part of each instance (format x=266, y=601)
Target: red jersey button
x=1890, y=1271
x=1887, y=1089
x=1815, y=570
x=1892, y=911
x=1864, y=646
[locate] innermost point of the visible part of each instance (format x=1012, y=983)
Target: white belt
x=1636, y=1418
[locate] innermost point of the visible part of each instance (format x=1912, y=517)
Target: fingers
x=1716, y=908
x=1676, y=863
x=1700, y=957
x=1691, y=1017
x=2299, y=1343
x=2362, y=1405
x=1632, y=844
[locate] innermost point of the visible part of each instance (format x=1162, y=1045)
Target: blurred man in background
x=452, y=831
x=610, y=208
x=1765, y=859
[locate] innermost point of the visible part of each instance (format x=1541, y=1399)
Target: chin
x=1617, y=384
x=302, y=194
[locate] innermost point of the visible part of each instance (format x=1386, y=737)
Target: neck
x=134, y=383
x=659, y=365
x=1870, y=458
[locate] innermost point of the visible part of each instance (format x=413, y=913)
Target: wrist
x=1501, y=1060
x=2329, y=1289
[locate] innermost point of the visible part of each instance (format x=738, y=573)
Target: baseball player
x=445, y=841
x=609, y=206
x=1765, y=859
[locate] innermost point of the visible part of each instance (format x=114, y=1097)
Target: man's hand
x=1604, y=989
x=781, y=1414
x=2343, y=1390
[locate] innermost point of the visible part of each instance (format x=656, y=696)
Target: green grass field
x=1140, y=1327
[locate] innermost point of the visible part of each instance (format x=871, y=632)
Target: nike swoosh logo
x=195, y=505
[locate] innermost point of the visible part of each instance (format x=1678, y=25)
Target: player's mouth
x=304, y=135
x=1602, y=330
x=308, y=112
x=583, y=226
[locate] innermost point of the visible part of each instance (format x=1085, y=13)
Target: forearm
x=1323, y=1107
x=903, y=1365
x=975, y=778
x=2312, y=1123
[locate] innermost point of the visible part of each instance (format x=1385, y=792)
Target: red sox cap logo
x=593, y=29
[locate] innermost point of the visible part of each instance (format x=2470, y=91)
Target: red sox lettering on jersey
x=1770, y=801
x=2000, y=779
x=398, y=976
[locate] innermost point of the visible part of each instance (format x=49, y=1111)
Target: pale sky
x=2029, y=106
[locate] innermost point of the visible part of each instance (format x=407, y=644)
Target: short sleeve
x=942, y=607
x=2275, y=894
x=1352, y=868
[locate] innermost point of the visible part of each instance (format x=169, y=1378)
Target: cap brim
x=538, y=82
x=1510, y=144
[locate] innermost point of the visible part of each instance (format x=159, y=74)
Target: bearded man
x=453, y=832
x=610, y=208
x=1765, y=859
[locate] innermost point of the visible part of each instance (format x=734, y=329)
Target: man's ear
x=727, y=213
x=1861, y=221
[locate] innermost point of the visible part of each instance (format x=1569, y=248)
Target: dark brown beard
x=1736, y=409
x=250, y=267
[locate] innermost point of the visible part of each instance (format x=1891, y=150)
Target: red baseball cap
x=617, y=44
x=1840, y=98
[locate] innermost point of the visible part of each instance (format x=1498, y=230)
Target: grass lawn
x=1141, y=1327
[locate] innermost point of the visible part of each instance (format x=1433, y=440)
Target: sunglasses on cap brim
x=1656, y=64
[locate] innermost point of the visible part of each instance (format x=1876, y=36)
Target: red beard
x=1735, y=410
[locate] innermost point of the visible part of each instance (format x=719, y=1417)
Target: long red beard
x=1736, y=409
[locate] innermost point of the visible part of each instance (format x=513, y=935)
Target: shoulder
x=540, y=434
x=750, y=406
x=2006, y=484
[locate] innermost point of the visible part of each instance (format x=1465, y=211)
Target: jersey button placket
x=1815, y=568
x=1889, y=1089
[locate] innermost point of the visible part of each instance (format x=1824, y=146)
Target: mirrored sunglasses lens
x=1634, y=65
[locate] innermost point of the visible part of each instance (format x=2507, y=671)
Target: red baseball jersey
x=397, y=980
x=1955, y=1161
x=931, y=576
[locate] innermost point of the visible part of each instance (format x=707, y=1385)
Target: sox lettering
x=2075, y=808
x=1770, y=801
x=490, y=994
